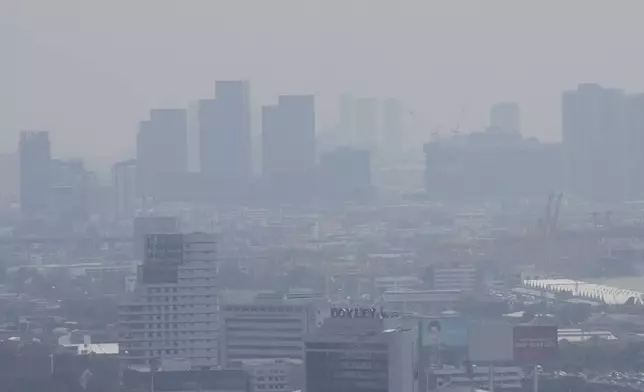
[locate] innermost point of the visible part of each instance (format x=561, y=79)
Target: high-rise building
x=70, y=191
x=345, y=174
x=35, y=173
x=174, y=309
x=225, y=134
x=265, y=328
x=392, y=126
x=162, y=148
x=362, y=354
x=597, y=144
x=10, y=175
x=288, y=131
x=366, y=123
x=126, y=201
x=289, y=145
x=505, y=117
x=347, y=119
x=148, y=225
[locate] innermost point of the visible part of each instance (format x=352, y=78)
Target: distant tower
x=392, y=126
x=162, y=147
x=505, y=117
x=366, y=123
x=35, y=173
x=225, y=134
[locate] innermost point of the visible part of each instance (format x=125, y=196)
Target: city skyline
x=458, y=68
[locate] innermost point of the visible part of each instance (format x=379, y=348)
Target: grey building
x=289, y=144
x=345, y=174
x=505, y=117
x=225, y=134
x=125, y=198
x=360, y=355
x=162, y=148
x=366, y=123
x=35, y=173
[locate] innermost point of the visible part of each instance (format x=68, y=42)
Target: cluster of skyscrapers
x=289, y=154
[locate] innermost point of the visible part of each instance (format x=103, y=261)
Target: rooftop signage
x=360, y=312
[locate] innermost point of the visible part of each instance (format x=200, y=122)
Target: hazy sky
x=89, y=70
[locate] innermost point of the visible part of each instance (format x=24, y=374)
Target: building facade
x=35, y=173
x=173, y=312
x=162, y=148
x=225, y=134
x=361, y=354
x=266, y=328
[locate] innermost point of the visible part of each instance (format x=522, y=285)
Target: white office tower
x=362, y=354
x=173, y=312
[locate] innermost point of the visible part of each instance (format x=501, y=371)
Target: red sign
x=534, y=344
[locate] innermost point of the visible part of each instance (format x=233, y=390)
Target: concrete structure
x=288, y=138
x=161, y=148
x=225, y=134
x=453, y=276
x=126, y=201
x=505, y=377
x=278, y=375
x=265, y=328
x=35, y=173
x=366, y=123
x=146, y=225
x=392, y=127
x=362, y=354
x=505, y=117
x=174, y=309
x=425, y=302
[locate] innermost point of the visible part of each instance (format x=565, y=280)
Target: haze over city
x=89, y=71
x=321, y=196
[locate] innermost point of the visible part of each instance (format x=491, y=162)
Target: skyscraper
x=174, y=309
x=35, y=173
x=392, y=126
x=366, y=123
x=225, y=134
x=162, y=148
x=345, y=174
x=288, y=141
x=347, y=120
x=505, y=117
x=124, y=187
x=596, y=134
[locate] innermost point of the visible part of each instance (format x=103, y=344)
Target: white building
x=266, y=328
x=173, y=312
x=362, y=354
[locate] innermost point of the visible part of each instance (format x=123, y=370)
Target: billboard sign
x=448, y=332
x=534, y=344
x=491, y=342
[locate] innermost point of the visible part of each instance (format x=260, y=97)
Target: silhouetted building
x=225, y=135
x=392, y=127
x=347, y=119
x=70, y=192
x=600, y=135
x=35, y=173
x=366, y=123
x=162, y=148
x=345, y=174
x=126, y=201
x=288, y=145
x=505, y=117
x=491, y=166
